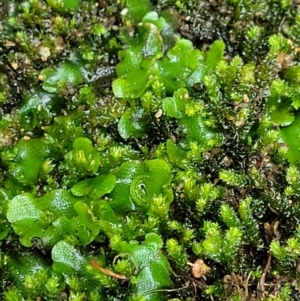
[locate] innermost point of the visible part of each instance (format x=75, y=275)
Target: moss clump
x=149, y=150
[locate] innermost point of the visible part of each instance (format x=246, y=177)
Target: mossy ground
x=138, y=137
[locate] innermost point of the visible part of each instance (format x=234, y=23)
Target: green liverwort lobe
x=83, y=156
x=66, y=258
x=154, y=268
x=65, y=73
x=64, y=6
x=29, y=159
x=145, y=188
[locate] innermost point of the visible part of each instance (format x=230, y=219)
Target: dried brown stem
x=107, y=272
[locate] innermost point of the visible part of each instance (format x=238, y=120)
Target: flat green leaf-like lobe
x=185, y=55
x=22, y=207
x=197, y=130
x=27, y=221
x=175, y=106
x=134, y=69
x=36, y=108
x=30, y=156
x=121, y=200
x=64, y=6
x=291, y=136
x=181, y=61
x=137, y=9
x=66, y=258
x=87, y=218
x=175, y=154
x=84, y=157
x=132, y=124
x=59, y=201
x=103, y=211
x=60, y=228
x=68, y=72
x=153, y=17
x=280, y=111
x=96, y=187
x=154, y=267
x=52, y=217
x=130, y=59
x=153, y=182
x=131, y=85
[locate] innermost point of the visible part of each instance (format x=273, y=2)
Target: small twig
x=181, y=274
x=195, y=291
x=261, y=284
x=107, y=272
x=278, y=282
x=201, y=284
x=246, y=285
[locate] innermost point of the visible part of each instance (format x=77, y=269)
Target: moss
x=140, y=138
